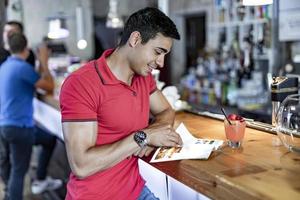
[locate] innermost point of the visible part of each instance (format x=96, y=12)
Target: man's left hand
x=144, y=151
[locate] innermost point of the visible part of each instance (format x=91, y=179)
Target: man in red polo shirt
x=105, y=109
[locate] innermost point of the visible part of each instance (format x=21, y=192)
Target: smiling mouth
x=152, y=67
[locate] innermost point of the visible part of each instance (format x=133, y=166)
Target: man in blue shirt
x=18, y=81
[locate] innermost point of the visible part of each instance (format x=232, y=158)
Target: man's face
x=151, y=55
x=9, y=29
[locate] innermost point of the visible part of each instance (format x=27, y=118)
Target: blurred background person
x=13, y=27
x=18, y=134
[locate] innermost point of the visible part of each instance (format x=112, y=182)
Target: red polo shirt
x=93, y=93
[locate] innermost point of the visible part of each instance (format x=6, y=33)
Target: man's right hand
x=162, y=135
x=43, y=55
x=46, y=81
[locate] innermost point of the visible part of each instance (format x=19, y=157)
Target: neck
x=21, y=55
x=119, y=65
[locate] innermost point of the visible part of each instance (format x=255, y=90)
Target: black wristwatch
x=140, y=137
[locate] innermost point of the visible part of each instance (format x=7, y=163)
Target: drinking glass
x=288, y=122
x=235, y=132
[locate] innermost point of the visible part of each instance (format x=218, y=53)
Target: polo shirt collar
x=104, y=72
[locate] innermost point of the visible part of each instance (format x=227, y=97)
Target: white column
x=163, y=5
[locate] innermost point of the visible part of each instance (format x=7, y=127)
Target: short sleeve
x=29, y=75
x=78, y=101
x=152, y=84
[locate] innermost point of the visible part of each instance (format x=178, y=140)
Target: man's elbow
x=168, y=111
x=47, y=85
x=171, y=110
x=50, y=87
x=80, y=172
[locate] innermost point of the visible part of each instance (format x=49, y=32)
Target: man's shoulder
x=85, y=70
x=18, y=62
x=82, y=82
x=85, y=74
x=12, y=61
x=16, y=67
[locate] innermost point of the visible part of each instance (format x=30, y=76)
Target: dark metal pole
x=2, y=18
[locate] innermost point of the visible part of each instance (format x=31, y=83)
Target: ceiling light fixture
x=81, y=42
x=113, y=18
x=57, y=27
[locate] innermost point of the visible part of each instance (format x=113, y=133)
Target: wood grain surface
x=262, y=169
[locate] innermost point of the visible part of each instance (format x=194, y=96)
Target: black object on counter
x=281, y=87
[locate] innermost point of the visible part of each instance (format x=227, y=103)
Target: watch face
x=140, y=137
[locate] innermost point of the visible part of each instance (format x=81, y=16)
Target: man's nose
x=160, y=61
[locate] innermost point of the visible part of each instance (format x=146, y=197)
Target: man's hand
x=162, y=135
x=144, y=151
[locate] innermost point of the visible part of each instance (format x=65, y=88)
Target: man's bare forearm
x=165, y=117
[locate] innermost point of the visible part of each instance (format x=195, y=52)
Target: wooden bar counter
x=262, y=169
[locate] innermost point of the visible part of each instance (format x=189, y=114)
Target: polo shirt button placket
x=134, y=93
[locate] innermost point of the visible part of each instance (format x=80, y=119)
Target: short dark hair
x=149, y=22
x=17, y=42
x=17, y=24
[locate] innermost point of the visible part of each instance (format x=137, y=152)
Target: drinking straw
x=224, y=113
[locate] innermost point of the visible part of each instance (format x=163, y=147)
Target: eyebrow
x=163, y=49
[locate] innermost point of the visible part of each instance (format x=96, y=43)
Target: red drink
x=236, y=131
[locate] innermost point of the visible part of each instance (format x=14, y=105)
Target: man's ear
x=134, y=38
